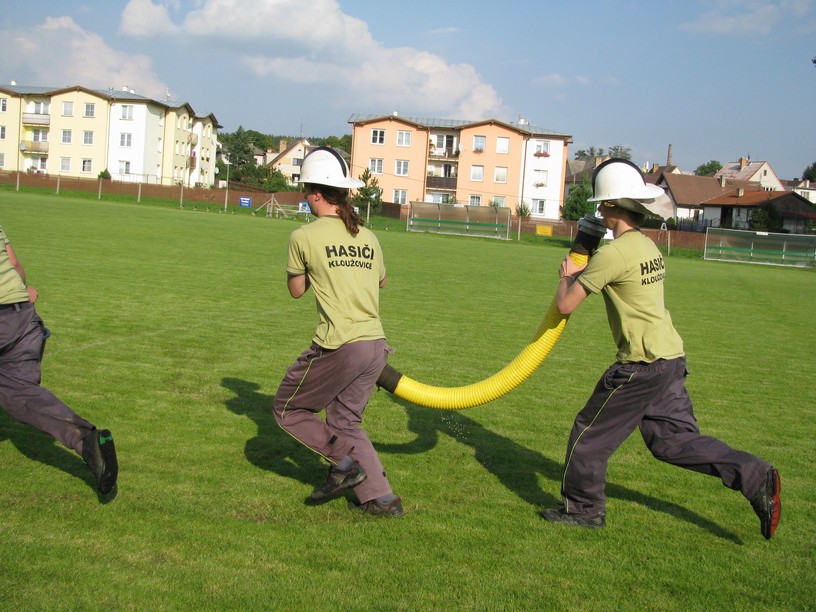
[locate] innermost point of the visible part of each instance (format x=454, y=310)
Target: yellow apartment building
x=80, y=132
x=478, y=163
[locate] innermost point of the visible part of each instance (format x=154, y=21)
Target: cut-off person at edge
x=645, y=387
x=22, y=342
x=341, y=260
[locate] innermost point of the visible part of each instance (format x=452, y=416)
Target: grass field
x=173, y=328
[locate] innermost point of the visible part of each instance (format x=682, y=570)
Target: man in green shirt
x=22, y=340
x=645, y=387
x=341, y=261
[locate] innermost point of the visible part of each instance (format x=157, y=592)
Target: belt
x=17, y=306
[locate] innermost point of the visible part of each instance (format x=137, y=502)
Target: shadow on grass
x=272, y=449
x=518, y=468
x=41, y=447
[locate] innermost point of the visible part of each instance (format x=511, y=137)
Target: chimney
x=722, y=180
x=669, y=157
x=282, y=145
x=740, y=192
x=743, y=161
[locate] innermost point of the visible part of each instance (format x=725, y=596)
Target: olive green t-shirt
x=629, y=273
x=12, y=288
x=345, y=273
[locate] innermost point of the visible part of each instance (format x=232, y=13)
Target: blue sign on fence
x=245, y=201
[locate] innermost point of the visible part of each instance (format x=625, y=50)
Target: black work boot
x=99, y=453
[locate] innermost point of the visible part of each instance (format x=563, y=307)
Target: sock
x=345, y=463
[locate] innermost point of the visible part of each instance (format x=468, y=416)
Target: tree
x=586, y=154
x=810, y=173
x=621, y=152
x=765, y=219
x=576, y=205
x=618, y=151
x=708, y=169
x=368, y=197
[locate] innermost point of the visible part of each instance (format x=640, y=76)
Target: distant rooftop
x=450, y=123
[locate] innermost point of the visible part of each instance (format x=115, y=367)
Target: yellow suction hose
x=517, y=371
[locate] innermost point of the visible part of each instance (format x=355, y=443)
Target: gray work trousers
x=21, y=396
x=654, y=398
x=340, y=382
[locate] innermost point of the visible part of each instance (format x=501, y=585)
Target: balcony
x=443, y=153
x=36, y=119
x=441, y=182
x=33, y=146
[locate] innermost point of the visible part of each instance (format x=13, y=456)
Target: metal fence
x=760, y=247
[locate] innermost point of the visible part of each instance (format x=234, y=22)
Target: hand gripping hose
x=590, y=231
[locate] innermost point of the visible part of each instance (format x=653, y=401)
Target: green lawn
x=173, y=328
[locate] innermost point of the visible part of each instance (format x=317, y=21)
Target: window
x=66, y=137
x=478, y=144
x=124, y=167
x=87, y=137
x=65, y=164
x=401, y=167
x=68, y=109
x=127, y=111
x=2, y=132
x=2, y=159
x=539, y=178
x=499, y=201
x=86, y=165
x=542, y=148
x=3, y=105
x=377, y=136
x=125, y=139
x=539, y=207
x=39, y=163
x=40, y=135
x=477, y=173
x=375, y=166
x=403, y=138
x=400, y=196
x=475, y=200
x=502, y=145
x=90, y=109
x=41, y=108
x=500, y=174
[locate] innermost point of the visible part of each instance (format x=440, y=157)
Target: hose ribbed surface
x=512, y=375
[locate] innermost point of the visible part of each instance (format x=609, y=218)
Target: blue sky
x=715, y=79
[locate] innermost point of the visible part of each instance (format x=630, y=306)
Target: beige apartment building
x=80, y=132
x=478, y=163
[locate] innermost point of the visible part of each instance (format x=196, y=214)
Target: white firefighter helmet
x=324, y=166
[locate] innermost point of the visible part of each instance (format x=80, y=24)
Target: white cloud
x=316, y=42
x=746, y=17
x=69, y=50
x=552, y=80
x=143, y=18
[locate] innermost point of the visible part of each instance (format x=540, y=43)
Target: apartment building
x=479, y=163
x=76, y=131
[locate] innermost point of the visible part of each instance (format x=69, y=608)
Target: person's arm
x=570, y=292
x=298, y=284
x=33, y=294
x=382, y=281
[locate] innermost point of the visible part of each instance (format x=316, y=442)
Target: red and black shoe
x=767, y=505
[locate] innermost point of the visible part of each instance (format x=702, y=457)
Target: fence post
x=139, y=194
x=59, y=176
x=181, y=195
x=99, y=193
x=18, y=180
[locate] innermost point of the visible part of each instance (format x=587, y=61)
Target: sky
x=712, y=79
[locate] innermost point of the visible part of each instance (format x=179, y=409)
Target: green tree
x=368, y=197
x=576, y=205
x=590, y=153
x=765, y=219
x=621, y=152
x=810, y=173
x=276, y=182
x=708, y=169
